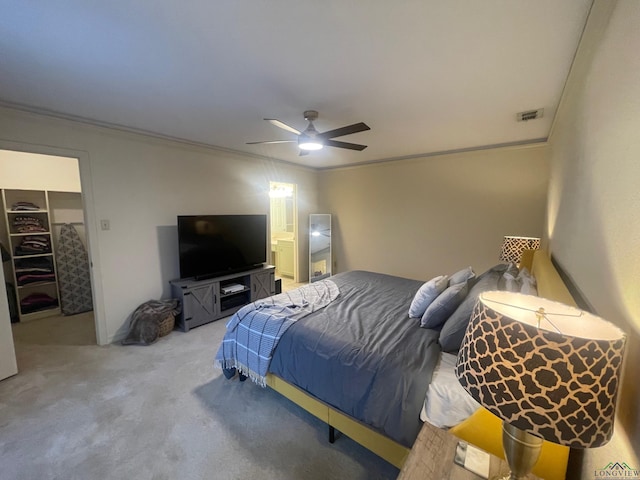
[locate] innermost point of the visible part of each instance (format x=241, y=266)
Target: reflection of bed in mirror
x=319, y=246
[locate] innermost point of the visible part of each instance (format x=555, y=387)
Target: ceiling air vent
x=530, y=115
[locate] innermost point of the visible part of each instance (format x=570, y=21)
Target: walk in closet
x=44, y=258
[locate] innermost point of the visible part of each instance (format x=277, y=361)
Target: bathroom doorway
x=284, y=226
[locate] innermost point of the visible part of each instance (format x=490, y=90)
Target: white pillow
x=427, y=294
x=446, y=402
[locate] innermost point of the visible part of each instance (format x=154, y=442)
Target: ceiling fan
x=310, y=139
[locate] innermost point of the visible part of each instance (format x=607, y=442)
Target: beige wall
x=594, y=196
x=140, y=184
x=423, y=217
x=28, y=171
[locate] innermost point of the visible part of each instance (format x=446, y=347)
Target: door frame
x=296, y=272
x=90, y=220
x=8, y=361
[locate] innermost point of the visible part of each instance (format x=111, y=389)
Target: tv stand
x=206, y=300
x=199, y=278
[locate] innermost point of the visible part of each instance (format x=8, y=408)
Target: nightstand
x=431, y=458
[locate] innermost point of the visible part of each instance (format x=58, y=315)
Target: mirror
x=319, y=246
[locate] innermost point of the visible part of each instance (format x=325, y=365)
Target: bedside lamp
x=512, y=247
x=548, y=370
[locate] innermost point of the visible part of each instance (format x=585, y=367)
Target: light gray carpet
x=79, y=411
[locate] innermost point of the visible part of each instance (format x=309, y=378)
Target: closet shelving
x=32, y=253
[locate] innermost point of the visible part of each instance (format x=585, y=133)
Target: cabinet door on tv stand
x=263, y=285
x=200, y=305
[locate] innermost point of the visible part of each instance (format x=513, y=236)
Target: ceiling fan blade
x=272, y=141
x=284, y=126
x=350, y=146
x=348, y=130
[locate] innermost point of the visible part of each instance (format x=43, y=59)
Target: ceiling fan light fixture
x=309, y=142
x=307, y=139
x=310, y=139
x=310, y=145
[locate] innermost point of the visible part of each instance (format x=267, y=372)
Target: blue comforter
x=363, y=355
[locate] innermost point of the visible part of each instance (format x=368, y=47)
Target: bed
x=361, y=365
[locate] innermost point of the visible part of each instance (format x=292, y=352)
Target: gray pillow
x=461, y=276
x=512, y=269
x=427, y=294
x=454, y=328
x=443, y=306
x=500, y=267
x=511, y=283
x=527, y=283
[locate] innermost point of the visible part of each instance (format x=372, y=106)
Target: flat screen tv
x=213, y=245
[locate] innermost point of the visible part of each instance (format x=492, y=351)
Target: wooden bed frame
x=482, y=429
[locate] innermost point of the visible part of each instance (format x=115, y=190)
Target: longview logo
x=617, y=470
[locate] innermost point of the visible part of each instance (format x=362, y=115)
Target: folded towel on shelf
x=33, y=245
x=37, y=301
x=27, y=224
x=33, y=265
x=25, y=279
x=24, y=206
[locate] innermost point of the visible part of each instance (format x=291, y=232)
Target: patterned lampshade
x=543, y=367
x=512, y=247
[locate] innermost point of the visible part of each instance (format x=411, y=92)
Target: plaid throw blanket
x=254, y=331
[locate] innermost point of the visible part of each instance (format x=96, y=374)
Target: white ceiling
x=427, y=75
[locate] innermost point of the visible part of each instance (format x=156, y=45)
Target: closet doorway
x=46, y=263
x=284, y=227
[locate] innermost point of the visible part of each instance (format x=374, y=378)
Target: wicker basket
x=166, y=325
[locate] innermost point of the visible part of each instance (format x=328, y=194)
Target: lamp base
x=505, y=477
x=521, y=449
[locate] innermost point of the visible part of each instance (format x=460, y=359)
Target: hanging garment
x=74, y=279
